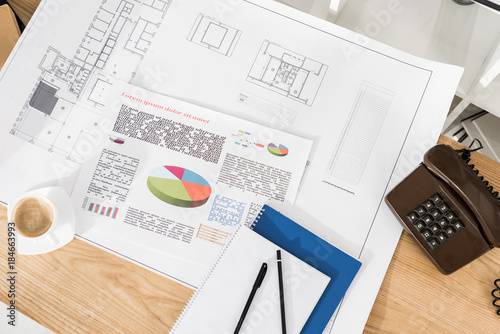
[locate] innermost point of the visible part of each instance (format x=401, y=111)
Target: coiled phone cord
x=465, y=155
x=496, y=295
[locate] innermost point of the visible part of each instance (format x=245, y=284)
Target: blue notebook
x=339, y=266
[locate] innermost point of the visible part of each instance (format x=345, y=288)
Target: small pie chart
x=179, y=186
x=117, y=140
x=277, y=149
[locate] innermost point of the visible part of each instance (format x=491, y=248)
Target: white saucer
x=63, y=228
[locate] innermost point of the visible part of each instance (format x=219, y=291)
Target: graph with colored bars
x=243, y=138
x=108, y=211
x=212, y=234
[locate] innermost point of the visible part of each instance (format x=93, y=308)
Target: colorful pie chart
x=117, y=140
x=277, y=149
x=179, y=186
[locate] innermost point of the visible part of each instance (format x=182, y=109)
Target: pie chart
x=277, y=149
x=179, y=186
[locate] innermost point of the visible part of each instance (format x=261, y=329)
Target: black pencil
x=282, y=295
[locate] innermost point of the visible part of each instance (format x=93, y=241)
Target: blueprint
x=116, y=40
x=371, y=111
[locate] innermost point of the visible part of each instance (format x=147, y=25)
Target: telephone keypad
x=450, y=231
x=442, y=222
x=435, y=221
x=458, y=225
x=420, y=226
x=413, y=217
x=443, y=207
x=427, y=219
x=436, y=199
x=428, y=205
x=420, y=210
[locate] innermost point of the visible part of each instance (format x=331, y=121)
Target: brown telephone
x=451, y=212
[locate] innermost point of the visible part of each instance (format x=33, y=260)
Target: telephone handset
x=448, y=208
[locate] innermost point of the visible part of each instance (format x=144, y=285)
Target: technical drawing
x=51, y=120
x=62, y=111
x=70, y=76
x=160, y=5
x=121, y=25
x=141, y=37
x=261, y=104
x=287, y=73
x=98, y=92
x=365, y=121
x=214, y=35
x=44, y=98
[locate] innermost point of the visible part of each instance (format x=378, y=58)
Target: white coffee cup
x=34, y=217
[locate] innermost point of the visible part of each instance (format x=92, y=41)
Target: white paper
x=177, y=179
x=371, y=110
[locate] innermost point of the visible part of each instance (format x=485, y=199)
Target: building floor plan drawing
x=50, y=119
x=287, y=73
x=115, y=43
x=214, y=35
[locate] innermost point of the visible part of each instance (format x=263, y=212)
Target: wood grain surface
x=24, y=8
x=83, y=289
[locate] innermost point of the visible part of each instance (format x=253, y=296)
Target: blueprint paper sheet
x=130, y=146
x=372, y=111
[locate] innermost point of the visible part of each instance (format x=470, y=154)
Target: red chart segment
x=177, y=171
x=277, y=149
x=198, y=193
x=179, y=186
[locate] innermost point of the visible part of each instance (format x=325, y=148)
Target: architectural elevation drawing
x=214, y=35
x=115, y=43
x=359, y=136
x=287, y=73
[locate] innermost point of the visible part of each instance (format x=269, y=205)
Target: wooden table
x=83, y=289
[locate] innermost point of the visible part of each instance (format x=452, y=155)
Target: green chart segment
x=277, y=149
x=179, y=186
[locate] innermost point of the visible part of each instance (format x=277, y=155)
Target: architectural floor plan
x=287, y=73
x=214, y=35
x=116, y=41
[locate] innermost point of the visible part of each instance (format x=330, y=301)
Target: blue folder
x=339, y=266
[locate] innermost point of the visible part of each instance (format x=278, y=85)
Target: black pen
x=256, y=285
x=282, y=295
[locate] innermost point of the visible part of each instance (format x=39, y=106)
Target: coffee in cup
x=33, y=216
